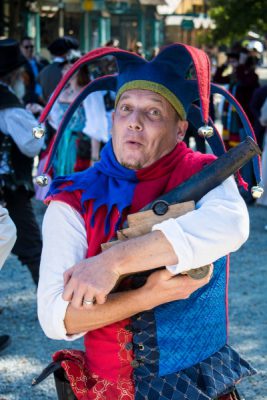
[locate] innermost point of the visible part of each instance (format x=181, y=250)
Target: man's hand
x=90, y=280
x=34, y=108
x=162, y=287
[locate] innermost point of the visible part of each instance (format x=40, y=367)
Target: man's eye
x=125, y=108
x=154, y=112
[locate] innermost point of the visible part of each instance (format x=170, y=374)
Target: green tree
x=234, y=18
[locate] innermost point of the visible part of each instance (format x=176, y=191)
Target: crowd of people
x=142, y=125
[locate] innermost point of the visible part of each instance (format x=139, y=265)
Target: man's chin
x=132, y=165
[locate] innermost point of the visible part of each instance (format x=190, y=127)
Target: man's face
x=17, y=82
x=27, y=48
x=145, y=128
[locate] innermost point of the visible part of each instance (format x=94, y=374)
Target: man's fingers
x=202, y=281
x=88, y=303
x=79, y=298
x=211, y=271
x=101, y=299
x=68, y=292
x=162, y=274
x=82, y=297
x=67, y=275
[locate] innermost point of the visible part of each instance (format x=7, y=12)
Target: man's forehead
x=142, y=94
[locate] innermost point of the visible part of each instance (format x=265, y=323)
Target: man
x=242, y=82
x=256, y=103
x=17, y=150
x=7, y=240
x=50, y=76
x=32, y=68
x=7, y=234
x=162, y=340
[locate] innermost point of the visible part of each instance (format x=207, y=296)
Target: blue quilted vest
x=180, y=347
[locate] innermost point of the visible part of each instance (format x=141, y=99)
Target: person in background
x=96, y=123
x=108, y=63
x=7, y=241
x=74, y=151
x=8, y=234
x=86, y=131
x=263, y=121
x=257, y=101
x=50, y=76
x=242, y=81
x=98, y=126
x=33, y=90
x=60, y=49
x=18, y=147
x=138, y=49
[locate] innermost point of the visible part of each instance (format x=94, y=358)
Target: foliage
x=234, y=18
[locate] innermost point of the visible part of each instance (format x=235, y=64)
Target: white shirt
x=96, y=119
x=7, y=235
x=218, y=226
x=96, y=124
x=18, y=123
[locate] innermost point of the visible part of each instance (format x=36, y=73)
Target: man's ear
x=182, y=128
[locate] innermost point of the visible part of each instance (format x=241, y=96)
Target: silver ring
x=88, y=302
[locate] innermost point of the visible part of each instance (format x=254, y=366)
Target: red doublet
x=107, y=370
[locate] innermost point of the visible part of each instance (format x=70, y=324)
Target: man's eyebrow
x=124, y=97
x=157, y=100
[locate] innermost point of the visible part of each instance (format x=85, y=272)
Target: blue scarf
x=104, y=183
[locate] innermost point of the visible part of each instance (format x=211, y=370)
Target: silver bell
x=257, y=191
x=38, y=132
x=205, y=131
x=41, y=180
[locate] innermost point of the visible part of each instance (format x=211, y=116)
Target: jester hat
x=168, y=74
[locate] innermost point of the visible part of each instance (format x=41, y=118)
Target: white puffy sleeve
x=64, y=244
x=7, y=235
x=219, y=225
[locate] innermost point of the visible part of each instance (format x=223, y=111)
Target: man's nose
x=135, y=122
